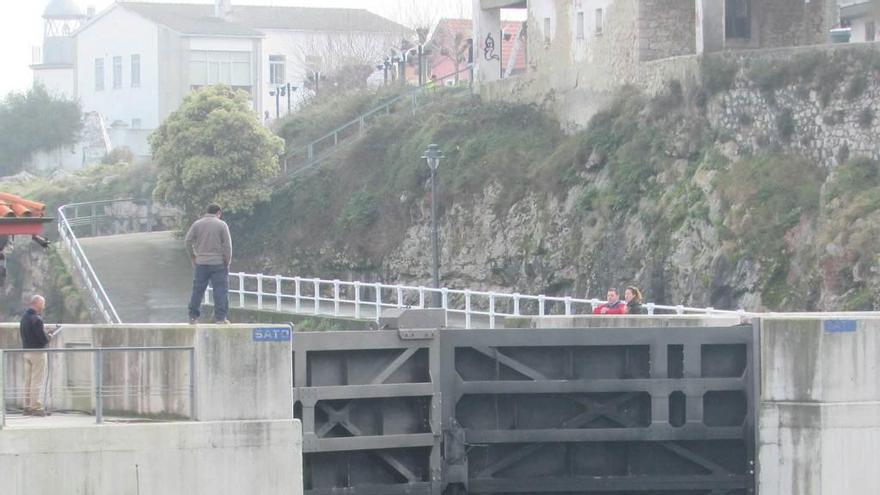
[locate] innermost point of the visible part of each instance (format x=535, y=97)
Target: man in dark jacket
x=210, y=248
x=33, y=336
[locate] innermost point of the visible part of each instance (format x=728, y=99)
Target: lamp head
x=433, y=155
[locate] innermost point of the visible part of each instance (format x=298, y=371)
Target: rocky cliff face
x=757, y=187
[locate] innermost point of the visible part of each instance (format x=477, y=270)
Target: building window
x=215, y=67
x=580, y=26
x=276, y=69
x=135, y=71
x=600, y=21
x=737, y=19
x=547, y=30
x=135, y=123
x=117, y=72
x=99, y=74
x=870, y=31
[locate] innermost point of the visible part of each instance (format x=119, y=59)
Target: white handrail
x=81, y=262
x=347, y=299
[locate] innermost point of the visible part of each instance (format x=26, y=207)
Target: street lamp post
x=433, y=156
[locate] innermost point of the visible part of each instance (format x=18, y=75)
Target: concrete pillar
x=243, y=372
x=710, y=26
x=487, y=44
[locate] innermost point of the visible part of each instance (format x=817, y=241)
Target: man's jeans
x=218, y=276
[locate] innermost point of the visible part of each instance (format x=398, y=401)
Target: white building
x=861, y=18
x=53, y=63
x=135, y=61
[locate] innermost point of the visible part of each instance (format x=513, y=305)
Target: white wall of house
x=298, y=48
x=860, y=29
x=58, y=81
x=121, y=34
x=583, y=21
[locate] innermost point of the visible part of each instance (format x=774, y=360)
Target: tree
x=214, y=150
x=35, y=121
x=343, y=60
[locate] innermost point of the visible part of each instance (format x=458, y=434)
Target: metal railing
x=91, y=219
x=363, y=300
x=308, y=155
x=65, y=391
x=84, y=269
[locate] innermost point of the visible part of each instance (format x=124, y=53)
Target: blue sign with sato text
x=272, y=334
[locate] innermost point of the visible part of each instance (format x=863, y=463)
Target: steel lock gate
x=623, y=411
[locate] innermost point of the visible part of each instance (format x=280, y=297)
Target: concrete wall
x=819, y=416
x=234, y=458
x=235, y=377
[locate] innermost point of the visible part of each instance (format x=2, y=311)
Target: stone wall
x=666, y=29
x=821, y=103
x=784, y=23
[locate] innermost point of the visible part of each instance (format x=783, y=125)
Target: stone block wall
x=783, y=23
x=825, y=106
x=666, y=28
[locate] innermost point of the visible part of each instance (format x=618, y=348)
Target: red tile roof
x=448, y=28
x=19, y=216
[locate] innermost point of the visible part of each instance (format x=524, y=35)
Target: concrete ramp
x=147, y=276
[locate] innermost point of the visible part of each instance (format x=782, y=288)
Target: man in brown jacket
x=210, y=247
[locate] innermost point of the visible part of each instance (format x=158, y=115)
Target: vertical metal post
x=357, y=300
x=45, y=389
x=260, y=291
x=288, y=99
x=99, y=388
x=192, y=383
x=491, y=310
x=444, y=299
x=421, y=298
x=311, y=151
x=94, y=220
x=541, y=305
x=467, y=308
x=516, y=304
x=435, y=243
x=317, y=287
x=297, y=302
x=567, y=305
x=241, y=290
x=277, y=102
x=278, y=293
x=399, y=297
x=378, y=287
x=336, y=298
x=2, y=390
x=421, y=66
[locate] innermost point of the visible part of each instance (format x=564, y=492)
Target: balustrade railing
x=366, y=301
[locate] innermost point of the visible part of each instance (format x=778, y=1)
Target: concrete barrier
x=211, y=458
x=819, y=415
x=232, y=371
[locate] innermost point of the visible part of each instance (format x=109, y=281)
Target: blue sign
x=839, y=326
x=272, y=334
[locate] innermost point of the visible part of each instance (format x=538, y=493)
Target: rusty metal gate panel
x=624, y=411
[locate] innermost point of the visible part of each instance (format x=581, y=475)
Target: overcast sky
x=21, y=25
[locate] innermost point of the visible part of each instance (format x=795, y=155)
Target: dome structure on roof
x=62, y=9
